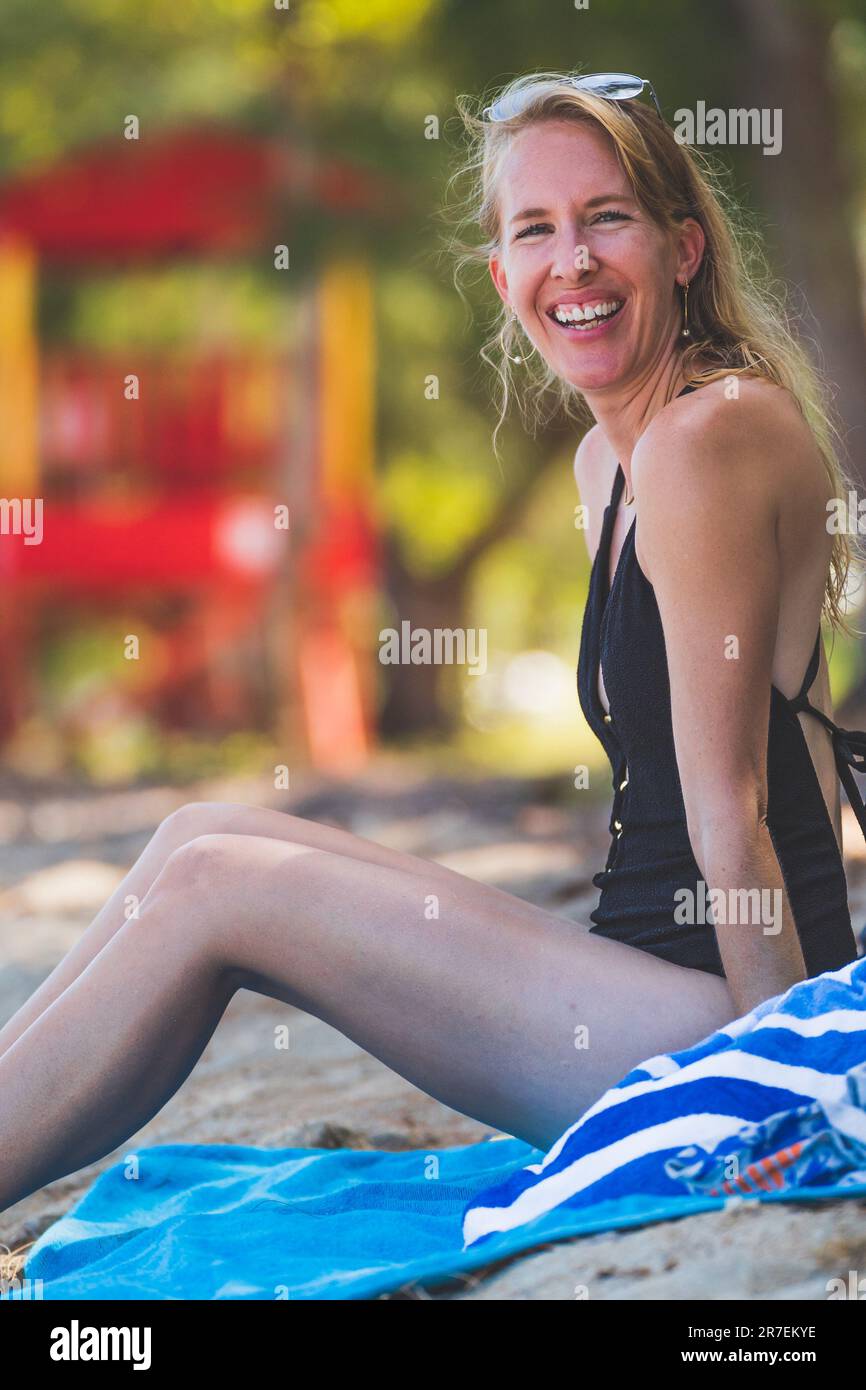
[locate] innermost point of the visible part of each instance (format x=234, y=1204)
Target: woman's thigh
x=235, y=818
x=502, y=1010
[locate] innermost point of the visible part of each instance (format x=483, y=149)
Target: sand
x=65, y=852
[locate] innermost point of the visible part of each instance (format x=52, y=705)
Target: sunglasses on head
x=615, y=86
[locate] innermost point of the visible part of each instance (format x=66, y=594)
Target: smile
x=584, y=318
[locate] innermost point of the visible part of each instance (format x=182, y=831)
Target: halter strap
x=849, y=745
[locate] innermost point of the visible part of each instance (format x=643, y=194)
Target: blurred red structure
x=198, y=422
x=240, y=488
x=200, y=192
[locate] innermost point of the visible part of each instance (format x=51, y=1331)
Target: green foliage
x=435, y=506
x=203, y=306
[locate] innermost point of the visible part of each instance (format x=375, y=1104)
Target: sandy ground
x=63, y=853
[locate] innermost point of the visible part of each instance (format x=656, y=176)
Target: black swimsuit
x=650, y=854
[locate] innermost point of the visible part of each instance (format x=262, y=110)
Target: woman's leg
x=183, y=825
x=472, y=995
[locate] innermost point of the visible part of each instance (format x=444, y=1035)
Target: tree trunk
x=806, y=191
x=412, y=704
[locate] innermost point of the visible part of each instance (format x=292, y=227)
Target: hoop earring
x=685, y=331
x=512, y=357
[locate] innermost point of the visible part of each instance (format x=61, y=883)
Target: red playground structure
x=225, y=499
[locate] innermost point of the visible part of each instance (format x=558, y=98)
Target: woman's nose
x=572, y=254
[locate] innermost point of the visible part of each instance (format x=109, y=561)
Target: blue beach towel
x=771, y=1108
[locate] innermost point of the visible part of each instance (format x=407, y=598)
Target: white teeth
x=575, y=313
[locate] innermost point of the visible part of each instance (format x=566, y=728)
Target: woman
x=597, y=221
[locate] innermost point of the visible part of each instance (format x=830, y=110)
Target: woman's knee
x=220, y=890
x=199, y=899
x=224, y=872
x=202, y=866
x=200, y=891
x=197, y=818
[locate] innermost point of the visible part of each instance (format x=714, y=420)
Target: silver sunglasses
x=615, y=86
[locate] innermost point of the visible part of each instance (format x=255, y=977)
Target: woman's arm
x=707, y=481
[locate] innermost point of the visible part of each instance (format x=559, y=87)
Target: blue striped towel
x=774, y=1101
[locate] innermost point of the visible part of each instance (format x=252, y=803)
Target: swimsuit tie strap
x=849, y=748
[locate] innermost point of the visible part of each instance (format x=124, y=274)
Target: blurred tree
x=361, y=81
x=413, y=704
x=809, y=194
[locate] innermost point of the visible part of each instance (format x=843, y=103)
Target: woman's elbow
x=732, y=823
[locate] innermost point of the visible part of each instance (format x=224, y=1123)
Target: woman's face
x=573, y=239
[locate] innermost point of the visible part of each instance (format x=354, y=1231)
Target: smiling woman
x=595, y=220
x=591, y=262
x=611, y=250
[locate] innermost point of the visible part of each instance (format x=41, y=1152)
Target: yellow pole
x=346, y=362
x=335, y=658
x=19, y=370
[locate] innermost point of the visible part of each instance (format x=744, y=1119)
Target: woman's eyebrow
x=608, y=198
x=590, y=203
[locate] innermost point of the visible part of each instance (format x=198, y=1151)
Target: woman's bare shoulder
x=594, y=471
x=732, y=409
x=744, y=431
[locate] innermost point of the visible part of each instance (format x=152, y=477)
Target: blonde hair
x=738, y=317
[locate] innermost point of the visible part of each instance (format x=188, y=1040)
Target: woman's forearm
x=754, y=924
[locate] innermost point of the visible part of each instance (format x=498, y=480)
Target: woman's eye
x=606, y=215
